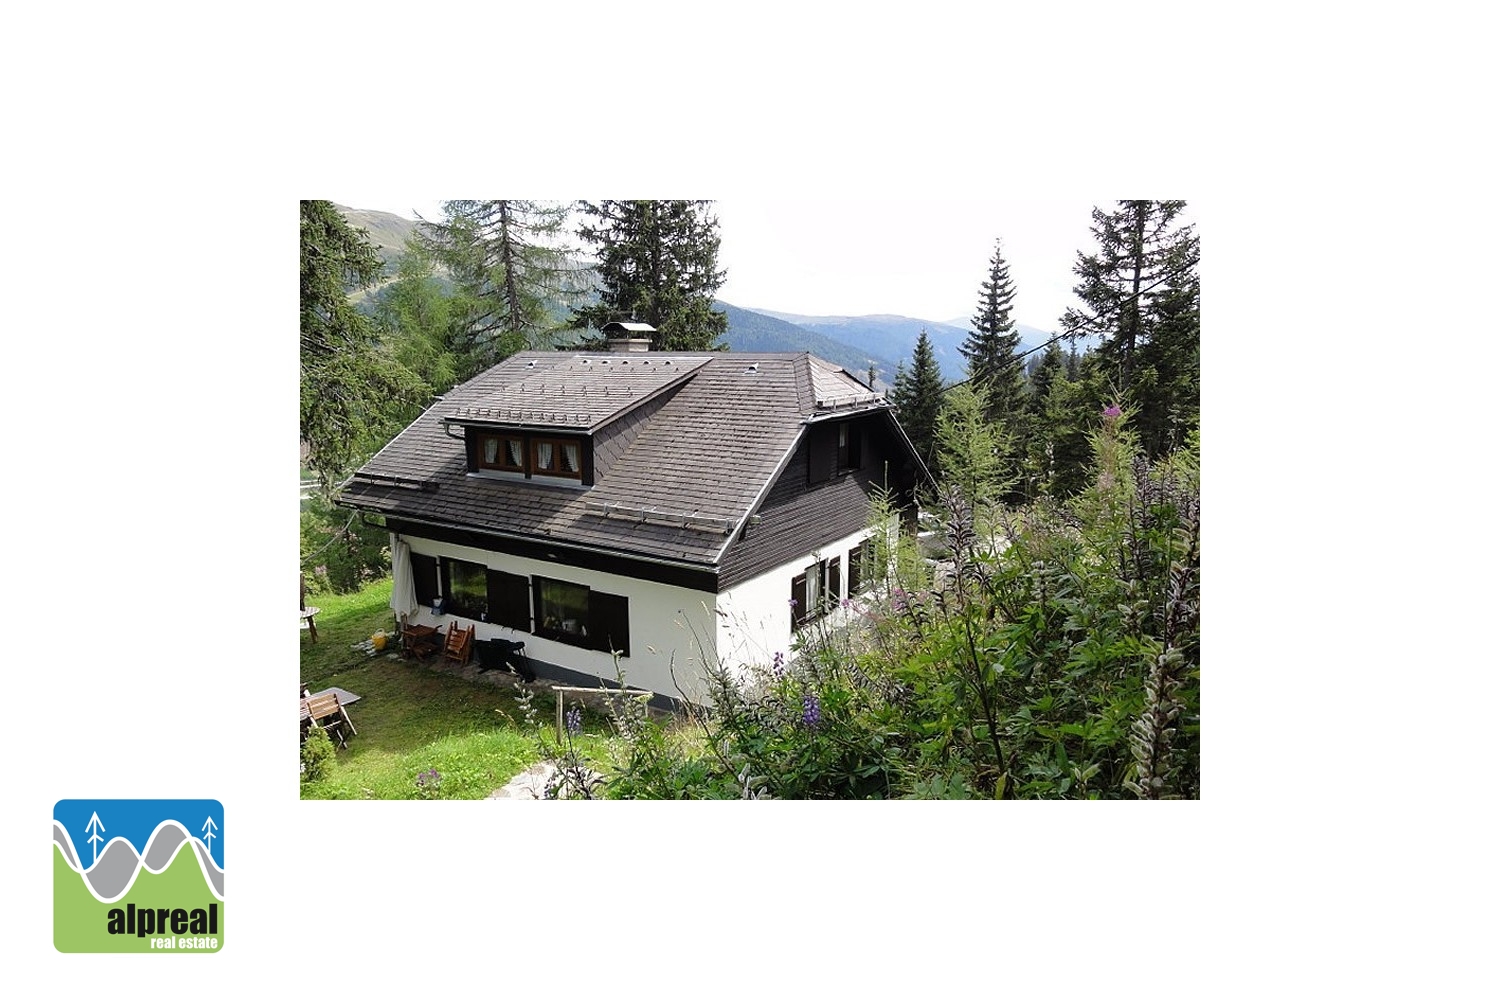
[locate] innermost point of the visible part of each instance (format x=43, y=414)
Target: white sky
x=923, y=258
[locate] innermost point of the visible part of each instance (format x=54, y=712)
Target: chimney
x=629, y=338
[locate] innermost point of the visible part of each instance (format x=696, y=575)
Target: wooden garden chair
x=326, y=712
x=459, y=645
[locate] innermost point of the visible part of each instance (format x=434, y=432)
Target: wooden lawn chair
x=459, y=645
x=325, y=711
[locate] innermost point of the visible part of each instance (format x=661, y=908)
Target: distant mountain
x=388, y=232
x=750, y=330
x=895, y=337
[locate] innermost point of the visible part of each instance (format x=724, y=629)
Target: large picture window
x=465, y=589
x=579, y=616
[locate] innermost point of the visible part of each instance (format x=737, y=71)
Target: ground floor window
x=465, y=589
x=816, y=591
x=861, y=566
x=581, y=616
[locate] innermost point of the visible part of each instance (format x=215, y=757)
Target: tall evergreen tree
x=971, y=450
x=918, y=399
x=511, y=271
x=1139, y=287
x=990, y=348
x=348, y=382
x=658, y=264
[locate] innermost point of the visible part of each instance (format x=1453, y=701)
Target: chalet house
x=676, y=509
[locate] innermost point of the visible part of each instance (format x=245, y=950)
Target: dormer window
x=530, y=455
x=556, y=457
x=506, y=453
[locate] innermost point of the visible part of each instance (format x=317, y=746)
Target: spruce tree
x=990, y=349
x=1139, y=294
x=511, y=272
x=349, y=383
x=918, y=399
x=658, y=264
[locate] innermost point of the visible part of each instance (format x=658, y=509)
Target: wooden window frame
x=504, y=440
x=557, y=443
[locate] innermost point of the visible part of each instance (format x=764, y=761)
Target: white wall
x=667, y=624
x=755, y=619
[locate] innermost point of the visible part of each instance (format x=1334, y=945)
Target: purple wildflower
x=574, y=720
x=792, y=603
x=844, y=603
x=1112, y=411
x=812, y=712
x=778, y=665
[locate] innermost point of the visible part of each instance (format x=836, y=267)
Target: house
x=676, y=509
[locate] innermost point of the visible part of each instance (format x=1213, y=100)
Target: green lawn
x=412, y=718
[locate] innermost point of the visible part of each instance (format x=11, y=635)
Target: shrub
x=317, y=754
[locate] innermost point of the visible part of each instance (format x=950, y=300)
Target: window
x=579, y=616
x=504, y=452
x=861, y=566
x=556, y=457
x=849, y=456
x=465, y=589
x=530, y=455
x=816, y=591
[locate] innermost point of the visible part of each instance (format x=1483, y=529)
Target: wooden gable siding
x=799, y=516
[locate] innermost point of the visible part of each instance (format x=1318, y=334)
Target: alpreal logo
x=138, y=875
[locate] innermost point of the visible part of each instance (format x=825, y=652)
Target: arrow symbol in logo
x=95, y=827
x=209, y=826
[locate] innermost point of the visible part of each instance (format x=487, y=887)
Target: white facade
x=675, y=632
x=755, y=617
x=669, y=626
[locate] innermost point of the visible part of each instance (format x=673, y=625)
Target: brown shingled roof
x=692, y=474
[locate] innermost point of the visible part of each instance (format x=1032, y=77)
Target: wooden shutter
x=822, y=442
x=856, y=569
x=424, y=572
x=833, y=584
x=509, y=599
x=609, y=622
x=799, y=600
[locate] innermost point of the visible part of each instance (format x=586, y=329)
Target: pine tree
x=511, y=271
x=1139, y=291
x=990, y=349
x=658, y=264
x=918, y=399
x=348, y=382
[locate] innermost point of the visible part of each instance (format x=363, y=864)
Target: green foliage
x=917, y=395
x=317, y=754
x=340, y=552
x=1059, y=659
x=347, y=380
x=972, y=453
x=658, y=264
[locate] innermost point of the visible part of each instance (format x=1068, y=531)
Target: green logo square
x=134, y=875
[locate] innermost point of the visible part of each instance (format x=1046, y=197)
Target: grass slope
x=412, y=717
x=81, y=923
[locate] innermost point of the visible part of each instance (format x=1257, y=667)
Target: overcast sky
x=921, y=258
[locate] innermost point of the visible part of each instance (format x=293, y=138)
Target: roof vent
x=754, y=367
x=531, y=364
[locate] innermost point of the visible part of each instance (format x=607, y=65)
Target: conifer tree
x=918, y=399
x=658, y=264
x=511, y=271
x=990, y=349
x=348, y=382
x=1139, y=294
